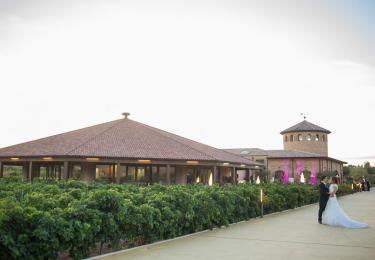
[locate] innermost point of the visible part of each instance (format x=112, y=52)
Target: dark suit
x=323, y=199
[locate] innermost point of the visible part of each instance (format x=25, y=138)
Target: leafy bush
x=43, y=219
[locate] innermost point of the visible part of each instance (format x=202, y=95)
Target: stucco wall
x=319, y=147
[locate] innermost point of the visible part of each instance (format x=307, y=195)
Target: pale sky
x=226, y=73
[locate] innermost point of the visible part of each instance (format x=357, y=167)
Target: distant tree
x=346, y=170
x=371, y=170
x=367, y=165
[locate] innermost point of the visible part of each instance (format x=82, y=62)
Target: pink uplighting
x=299, y=170
x=313, y=174
x=286, y=172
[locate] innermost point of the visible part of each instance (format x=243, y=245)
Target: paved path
x=293, y=234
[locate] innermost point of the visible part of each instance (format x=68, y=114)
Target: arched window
x=291, y=138
x=300, y=137
x=317, y=138
x=286, y=138
x=324, y=138
x=309, y=137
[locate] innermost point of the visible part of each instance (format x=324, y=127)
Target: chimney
x=126, y=115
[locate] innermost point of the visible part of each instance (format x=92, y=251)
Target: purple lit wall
x=299, y=170
x=286, y=172
x=313, y=174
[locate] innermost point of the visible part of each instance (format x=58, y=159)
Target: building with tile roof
x=125, y=151
x=305, y=151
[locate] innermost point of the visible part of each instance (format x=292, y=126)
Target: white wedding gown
x=333, y=215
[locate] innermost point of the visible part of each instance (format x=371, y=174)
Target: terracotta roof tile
x=305, y=126
x=125, y=139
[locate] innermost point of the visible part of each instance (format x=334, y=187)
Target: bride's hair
x=335, y=180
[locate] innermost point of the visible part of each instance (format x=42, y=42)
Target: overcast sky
x=225, y=73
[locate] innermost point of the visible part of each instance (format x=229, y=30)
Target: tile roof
x=305, y=126
x=125, y=139
x=245, y=152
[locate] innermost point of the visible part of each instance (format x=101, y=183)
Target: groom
x=323, y=197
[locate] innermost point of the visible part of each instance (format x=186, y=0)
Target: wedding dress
x=333, y=215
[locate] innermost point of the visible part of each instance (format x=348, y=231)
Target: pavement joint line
x=291, y=242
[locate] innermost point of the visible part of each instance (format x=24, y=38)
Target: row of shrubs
x=45, y=220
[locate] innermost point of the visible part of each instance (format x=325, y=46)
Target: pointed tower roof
x=123, y=139
x=305, y=126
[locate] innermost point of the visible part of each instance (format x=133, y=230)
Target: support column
x=30, y=173
x=247, y=174
x=1, y=170
x=117, y=172
x=292, y=169
x=65, y=174
x=25, y=169
x=215, y=175
x=234, y=175
x=168, y=177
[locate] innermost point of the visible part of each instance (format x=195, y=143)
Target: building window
x=286, y=138
x=291, y=138
x=324, y=138
x=317, y=138
x=130, y=177
x=309, y=137
x=300, y=137
x=141, y=172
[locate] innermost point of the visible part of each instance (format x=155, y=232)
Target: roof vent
x=126, y=115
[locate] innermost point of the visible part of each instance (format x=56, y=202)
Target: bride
x=333, y=215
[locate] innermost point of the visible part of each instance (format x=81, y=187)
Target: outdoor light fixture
x=47, y=158
x=144, y=161
x=226, y=163
x=14, y=158
x=210, y=180
x=92, y=159
x=258, y=180
x=243, y=165
x=261, y=203
x=192, y=162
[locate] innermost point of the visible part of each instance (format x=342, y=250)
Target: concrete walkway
x=293, y=234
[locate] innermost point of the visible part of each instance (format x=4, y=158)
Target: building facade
x=304, y=157
x=125, y=151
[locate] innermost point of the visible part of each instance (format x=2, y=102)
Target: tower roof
x=123, y=139
x=305, y=126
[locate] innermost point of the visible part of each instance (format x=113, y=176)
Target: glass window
x=190, y=176
x=309, y=137
x=291, y=138
x=172, y=173
x=14, y=171
x=162, y=178
x=141, y=174
x=131, y=174
x=76, y=172
x=324, y=138
x=103, y=172
x=300, y=137
x=317, y=138
x=286, y=138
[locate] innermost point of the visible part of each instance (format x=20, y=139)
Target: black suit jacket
x=323, y=193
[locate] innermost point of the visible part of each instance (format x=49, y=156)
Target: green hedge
x=41, y=220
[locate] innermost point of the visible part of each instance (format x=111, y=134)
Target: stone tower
x=306, y=137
